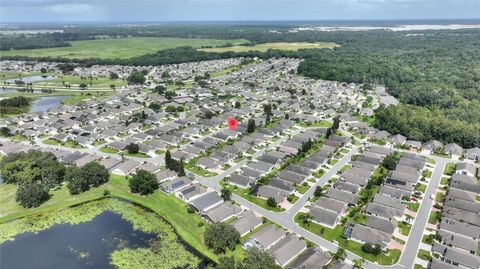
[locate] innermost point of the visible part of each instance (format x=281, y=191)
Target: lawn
x=108, y=150
x=256, y=200
x=322, y=123
x=413, y=206
x=138, y=154
x=293, y=46
x=434, y=217
x=68, y=144
x=336, y=235
x=424, y=255
x=303, y=188
x=445, y=181
x=449, y=169
x=120, y=48
x=439, y=197
x=171, y=208
x=75, y=81
x=421, y=187
x=404, y=227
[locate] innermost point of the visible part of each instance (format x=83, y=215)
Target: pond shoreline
x=109, y=204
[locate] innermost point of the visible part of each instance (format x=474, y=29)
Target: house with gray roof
x=246, y=222
x=191, y=192
x=397, y=139
x=206, y=202
x=240, y=181
x=432, y=146
x=336, y=206
x=312, y=258
x=287, y=249
x=383, y=211
x=453, y=150
x=126, y=167
x=460, y=241
x=265, y=237
x=324, y=217
x=465, y=168
x=222, y=212
x=175, y=185
x=460, y=227
x=381, y=224
x=343, y=196
x=267, y=191
x=472, y=154
x=364, y=234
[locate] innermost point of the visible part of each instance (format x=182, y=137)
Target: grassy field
x=294, y=46
x=189, y=226
x=120, y=47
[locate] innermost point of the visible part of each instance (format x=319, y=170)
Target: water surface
x=47, y=102
x=65, y=246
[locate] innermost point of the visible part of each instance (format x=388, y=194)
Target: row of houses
x=459, y=228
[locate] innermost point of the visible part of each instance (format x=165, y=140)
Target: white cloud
x=69, y=8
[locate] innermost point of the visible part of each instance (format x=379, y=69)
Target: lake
x=46, y=102
x=84, y=245
x=31, y=79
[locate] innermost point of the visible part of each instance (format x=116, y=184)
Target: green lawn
x=434, y=217
x=170, y=207
x=138, y=154
x=75, y=81
x=449, y=169
x=445, y=181
x=439, y=197
x=256, y=200
x=303, y=188
x=322, y=123
x=293, y=46
x=108, y=150
x=413, y=206
x=421, y=187
x=418, y=266
x=335, y=234
x=68, y=144
x=404, y=227
x=121, y=48
x=424, y=255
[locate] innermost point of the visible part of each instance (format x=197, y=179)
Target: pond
x=31, y=79
x=84, y=245
x=47, y=102
x=105, y=233
x=7, y=90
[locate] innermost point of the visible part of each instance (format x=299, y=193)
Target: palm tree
x=358, y=263
x=340, y=255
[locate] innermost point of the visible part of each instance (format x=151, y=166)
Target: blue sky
x=232, y=10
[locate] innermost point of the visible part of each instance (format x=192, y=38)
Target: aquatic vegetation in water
x=166, y=252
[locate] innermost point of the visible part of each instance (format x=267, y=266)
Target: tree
x=136, y=78
x=76, y=182
x=170, y=109
x=113, y=75
x=329, y=133
x=336, y=124
x=181, y=169
x=31, y=194
x=168, y=159
x=228, y=262
x=160, y=89
x=209, y=114
x=237, y=104
x=389, y=162
x=374, y=249
x=52, y=172
x=226, y=194
x=220, y=237
x=5, y=131
x=155, y=106
x=259, y=259
x=318, y=192
x=340, y=255
x=132, y=148
x=358, y=263
x=170, y=94
x=83, y=86
x=251, y=126
x=143, y=182
x=267, y=109
x=96, y=173
x=271, y=202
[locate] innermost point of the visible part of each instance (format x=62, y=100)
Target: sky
x=232, y=10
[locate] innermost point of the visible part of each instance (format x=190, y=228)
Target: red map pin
x=232, y=123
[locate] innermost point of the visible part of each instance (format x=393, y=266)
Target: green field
x=294, y=46
x=120, y=47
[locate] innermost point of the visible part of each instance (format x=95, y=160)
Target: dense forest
x=435, y=74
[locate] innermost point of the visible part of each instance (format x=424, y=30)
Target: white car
x=432, y=196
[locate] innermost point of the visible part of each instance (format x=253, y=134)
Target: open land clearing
x=122, y=48
x=294, y=46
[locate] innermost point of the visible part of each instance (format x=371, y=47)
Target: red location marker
x=232, y=123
